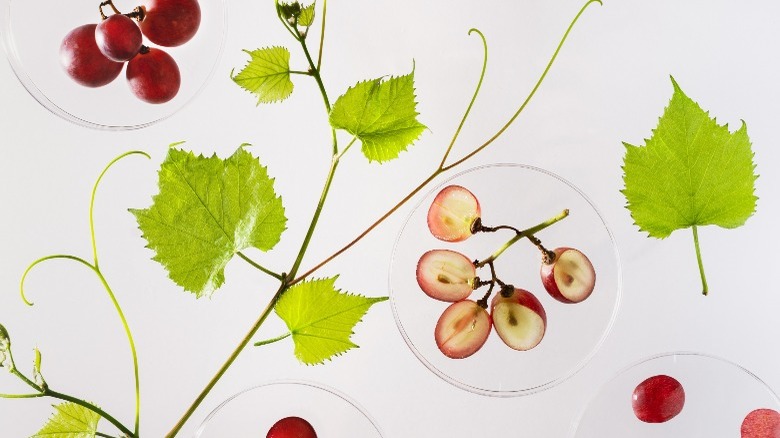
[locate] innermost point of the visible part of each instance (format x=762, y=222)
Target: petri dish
x=520, y=196
x=32, y=32
x=719, y=394
x=252, y=412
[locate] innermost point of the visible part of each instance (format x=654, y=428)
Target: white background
x=610, y=84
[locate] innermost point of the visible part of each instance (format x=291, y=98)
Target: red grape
x=83, y=61
x=761, y=423
x=658, y=399
x=292, y=427
x=170, y=23
x=153, y=76
x=118, y=37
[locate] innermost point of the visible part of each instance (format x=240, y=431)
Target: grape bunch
x=516, y=314
x=93, y=54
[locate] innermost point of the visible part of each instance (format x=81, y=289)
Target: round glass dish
x=718, y=396
x=32, y=32
x=251, y=413
x=519, y=196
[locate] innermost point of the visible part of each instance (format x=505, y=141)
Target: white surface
x=610, y=85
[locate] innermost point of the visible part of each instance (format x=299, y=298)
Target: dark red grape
x=658, y=399
x=170, y=23
x=292, y=427
x=761, y=423
x=153, y=76
x=118, y=37
x=83, y=61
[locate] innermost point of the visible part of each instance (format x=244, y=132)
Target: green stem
x=261, y=268
x=246, y=339
x=43, y=259
x=473, y=98
x=296, y=72
x=322, y=34
x=22, y=395
x=272, y=340
x=93, y=408
x=344, y=151
x=104, y=435
x=92, y=199
x=528, y=232
x=531, y=94
x=704, y=287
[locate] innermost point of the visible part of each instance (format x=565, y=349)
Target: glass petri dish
x=520, y=196
x=32, y=32
x=251, y=413
x=718, y=396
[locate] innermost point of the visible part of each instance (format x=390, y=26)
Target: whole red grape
x=292, y=427
x=153, y=76
x=83, y=61
x=658, y=399
x=170, y=23
x=118, y=37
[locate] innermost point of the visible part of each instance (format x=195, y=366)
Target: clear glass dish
x=718, y=396
x=521, y=196
x=251, y=413
x=32, y=32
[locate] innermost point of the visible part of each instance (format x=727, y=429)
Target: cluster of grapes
x=292, y=427
x=660, y=398
x=93, y=54
x=517, y=315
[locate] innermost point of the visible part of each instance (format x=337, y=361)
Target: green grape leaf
x=206, y=211
x=307, y=16
x=321, y=318
x=381, y=114
x=691, y=172
x=70, y=421
x=266, y=75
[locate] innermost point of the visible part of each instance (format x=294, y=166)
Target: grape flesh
x=153, y=76
x=452, y=214
x=170, y=23
x=83, y=60
x=118, y=38
x=292, y=427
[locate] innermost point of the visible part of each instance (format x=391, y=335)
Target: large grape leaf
x=321, y=318
x=70, y=421
x=206, y=211
x=266, y=75
x=381, y=114
x=691, y=172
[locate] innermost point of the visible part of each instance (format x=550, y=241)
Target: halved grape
x=446, y=275
x=462, y=329
x=452, y=214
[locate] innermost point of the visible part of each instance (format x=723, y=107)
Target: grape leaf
x=307, y=16
x=206, y=211
x=691, y=172
x=381, y=114
x=266, y=75
x=70, y=421
x=321, y=318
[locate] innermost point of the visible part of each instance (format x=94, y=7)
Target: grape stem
x=527, y=233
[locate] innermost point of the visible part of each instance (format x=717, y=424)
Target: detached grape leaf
x=266, y=75
x=321, y=318
x=307, y=16
x=207, y=210
x=381, y=114
x=70, y=421
x=691, y=172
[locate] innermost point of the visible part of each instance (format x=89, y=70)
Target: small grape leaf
x=307, y=16
x=266, y=75
x=381, y=114
x=70, y=421
x=691, y=172
x=321, y=318
x=206, y=211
